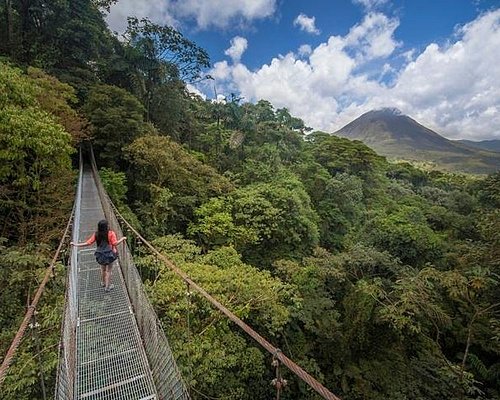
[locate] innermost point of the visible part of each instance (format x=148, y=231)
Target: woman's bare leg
x=103, y=275
x=108, y=275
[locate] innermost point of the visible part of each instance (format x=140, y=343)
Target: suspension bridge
x=112, y=344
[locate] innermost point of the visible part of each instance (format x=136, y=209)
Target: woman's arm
x=88, y=242
x=121, y=240
x=112, y=239
x=79, y=244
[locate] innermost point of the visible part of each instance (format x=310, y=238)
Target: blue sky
x=329, y=61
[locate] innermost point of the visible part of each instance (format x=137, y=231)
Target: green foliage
x=20, y=272
x=343, y=155
x=34, y=154
x=33, y=146
x=58, y=98
x=115, y=184
x=408, y=173
x=265, y=221
x=405, y=234
x=40, y=90
x=163, y=58
x=281, y=215
x=489, y=190
x=169, y=183
x=215, y=226
x=67, y=37
x=217, y=359
x=117, y=120
x=15, y=88
x=172, y=112
x=339, y=209
x=167, y=53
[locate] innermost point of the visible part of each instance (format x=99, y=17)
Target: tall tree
x=117, y=120
x=34, y=155
x=162, y=55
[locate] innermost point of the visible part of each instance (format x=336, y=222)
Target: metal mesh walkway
x=108, y=338
x=108, y=358
x=110, y=362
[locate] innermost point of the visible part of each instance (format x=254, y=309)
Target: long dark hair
x=102, y=232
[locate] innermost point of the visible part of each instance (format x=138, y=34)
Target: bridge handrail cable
x=276, y=352
x=65, y=379
x=49, y=272
x=166, y=375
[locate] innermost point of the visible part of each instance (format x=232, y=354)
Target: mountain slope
x=397, y=136
x=488, y=145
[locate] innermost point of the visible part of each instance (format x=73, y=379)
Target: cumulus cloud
x=222, y=13
x=370, y=4
x=374, y=37
x=455, y=87
x=238, y=46
x=305, y=50
x=196, y=91
x=307, y=24
x=156, y=11
x=451, y=88
x=206, y=13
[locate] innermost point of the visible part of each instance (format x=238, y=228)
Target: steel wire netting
x=77, y=374
x=110, y=360
x=65, y=380
x=166, y=375
x=106, y=350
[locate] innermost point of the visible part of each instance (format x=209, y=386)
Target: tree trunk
x=25, y=28
x=467, y=345
x=9, y=26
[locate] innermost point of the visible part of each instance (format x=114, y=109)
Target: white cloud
x=221, y=13
x=456, y=88
x=156, y=11
x=221, y=71
x=307, y=24
x=373, y=38
x=370, y=4
x=305, y=50
x=221, y=99
x=206, y=13
x=453, y=89
x=238, y=46
x=196, y=91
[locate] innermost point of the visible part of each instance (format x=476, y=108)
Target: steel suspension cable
x=277, y=353
x=31, y=308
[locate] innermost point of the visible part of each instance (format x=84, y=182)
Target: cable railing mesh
x=278, y=356
x=65, y=381
x=164, y=371
x=166, y=375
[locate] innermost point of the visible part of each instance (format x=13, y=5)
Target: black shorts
x=105, y=257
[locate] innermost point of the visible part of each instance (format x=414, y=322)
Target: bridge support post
x=36, y=338
x=278, y=382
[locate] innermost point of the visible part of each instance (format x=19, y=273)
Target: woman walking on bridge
x=106, y=252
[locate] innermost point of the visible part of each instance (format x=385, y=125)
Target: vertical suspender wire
x=188, y=321
x=166, y=375
x=292, y=366
x=73, y=282
x=36, y=338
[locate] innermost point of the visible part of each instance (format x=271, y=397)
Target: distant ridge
x=489, y=145
x=395, y=135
